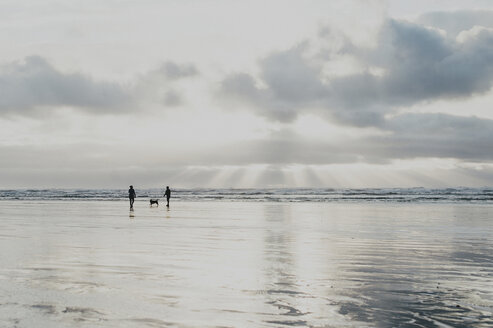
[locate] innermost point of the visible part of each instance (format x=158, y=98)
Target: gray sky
x=218, y=93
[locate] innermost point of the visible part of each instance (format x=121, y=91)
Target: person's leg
x=167, y=201
x=131, y=202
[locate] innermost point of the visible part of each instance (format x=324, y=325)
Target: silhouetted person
x=131, y=196
x=167, y=193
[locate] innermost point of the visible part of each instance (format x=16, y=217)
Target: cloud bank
x=34, y=87
x=410, y=64
x=35, y=84
x=457, y=21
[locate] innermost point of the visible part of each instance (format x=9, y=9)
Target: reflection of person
x=131, y=196
x=167, y=193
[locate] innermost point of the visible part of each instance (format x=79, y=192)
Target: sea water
x=463, y=194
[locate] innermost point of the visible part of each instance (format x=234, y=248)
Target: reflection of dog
x=154, y=201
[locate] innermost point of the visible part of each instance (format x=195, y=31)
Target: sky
x=250, y=94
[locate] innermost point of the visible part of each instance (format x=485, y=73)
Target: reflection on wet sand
x=246, y=265
x=281, y=290
x=381, y=276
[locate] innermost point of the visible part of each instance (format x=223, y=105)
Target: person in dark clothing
x=131, y=196
x=167, y=193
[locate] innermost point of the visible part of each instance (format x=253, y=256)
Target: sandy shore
x=245, y=264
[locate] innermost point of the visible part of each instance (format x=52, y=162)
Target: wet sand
x=245, y=264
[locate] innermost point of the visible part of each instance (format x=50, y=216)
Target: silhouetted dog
x=154, y=201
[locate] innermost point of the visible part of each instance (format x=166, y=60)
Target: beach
x=93, y=263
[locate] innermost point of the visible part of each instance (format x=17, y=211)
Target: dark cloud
x=291, y=83
x=174, y=71
x=455, y=22
x=416, y=64
x=435, y=135
x=172, y=98
x=408, y=136
x=159, y=85
x=422, y=64
x=34, y=84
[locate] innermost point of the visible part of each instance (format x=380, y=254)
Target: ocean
x=453, y=195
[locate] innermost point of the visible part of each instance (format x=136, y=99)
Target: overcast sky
x=220, y=93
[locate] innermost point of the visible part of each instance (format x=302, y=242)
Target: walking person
x=131, y=196
x=167, y=193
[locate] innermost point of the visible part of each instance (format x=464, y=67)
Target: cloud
x=35, y=84
x=403, y=137
x=172, y=98
x=159, y=85
x=406, y=137
x=174, y=71
x=455, y=22
x=422, y=64
x=291, y=82
x=92, y=166
x=422, y=135
x=410, y=64
x=34, y=87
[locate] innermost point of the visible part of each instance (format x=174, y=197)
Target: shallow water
x=388, y=195
x=245, y=264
